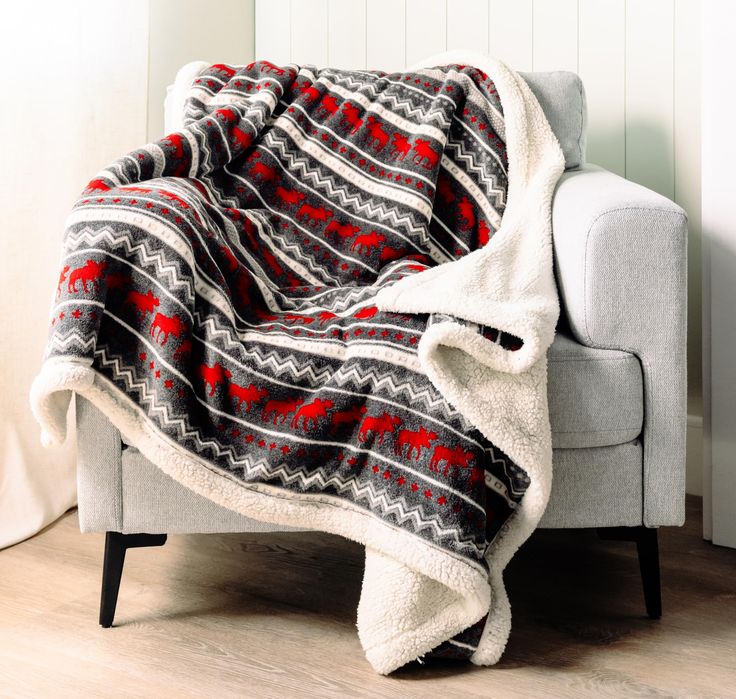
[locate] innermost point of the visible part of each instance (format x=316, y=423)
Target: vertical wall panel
x=467, y=25
x=687, y=176
x=346, y=39
x=273, y=30
x=602, y=67
x=555, y=35
x=309, y=31
x=650, y=93
x=386, y=34
x=510, y=32
x=426, y=28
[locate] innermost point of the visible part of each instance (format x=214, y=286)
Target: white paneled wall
x=639, y=61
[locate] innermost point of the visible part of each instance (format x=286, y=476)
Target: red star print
x=76, y=313
x=151, y=365
x=272, y=445
x=261, y=443
x=385, y=333
x=285, y=450
x=376, y=469
x=62, y=315
x=158, y=373
x=401, y=480
x=414, y=487
x=399, y=336
x=441, y=500
x=387, y=474
x=249, y=438
x=428, y=493
x=168, y=383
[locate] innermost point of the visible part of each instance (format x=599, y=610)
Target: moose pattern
x=231, y=294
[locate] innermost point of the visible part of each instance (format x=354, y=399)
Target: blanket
x=325, y=302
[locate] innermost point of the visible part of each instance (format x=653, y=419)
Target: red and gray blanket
x=261, y=303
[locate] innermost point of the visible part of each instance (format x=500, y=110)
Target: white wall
x=639, y=61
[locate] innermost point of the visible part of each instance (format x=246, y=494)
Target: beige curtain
x=73, y=98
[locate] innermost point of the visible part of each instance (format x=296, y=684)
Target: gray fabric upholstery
x=621, y=265
x=562, y=98
x=595, y=396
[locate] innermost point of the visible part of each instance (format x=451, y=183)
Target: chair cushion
x=596, y=396
x=562, y=98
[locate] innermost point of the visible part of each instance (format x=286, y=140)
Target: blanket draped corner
x=325, y=301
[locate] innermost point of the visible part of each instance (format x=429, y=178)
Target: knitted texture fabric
x=326, y=302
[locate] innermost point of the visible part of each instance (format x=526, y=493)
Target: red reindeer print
x=313, y=214
x=351, y=416
x=227, y=115
x=183, y=351
x=280, y=409
x=416, y=441
x=382, y=425
x=163, y=326
x=90, y=273
x=401, y=146
x=263, y=171
x=289, y=196
x=246, y=394
x=366, y=312
x=175, y=140
x=132, y=188
x=297, y=318
x=262, y=315
x=62, y=279
x=327, y=106
x=444, y=189
x=389, y=254
x=311, y=412
x=97, y=185
x=242, y=139
x=467, y=214
x=268, y=67
x=456, y=457
x=171, y=196
x=343, y=230
x=378, y=137
x=425, y=156
x=310, y=92
x=350, y=116
x=144, y=303
x=484, y=233
x=363, y=244
x=213, y=375
x=227, y=71
x=324, y=316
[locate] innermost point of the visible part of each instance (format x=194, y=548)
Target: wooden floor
x=274, y=616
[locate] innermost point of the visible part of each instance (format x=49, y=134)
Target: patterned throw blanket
x=261, y=303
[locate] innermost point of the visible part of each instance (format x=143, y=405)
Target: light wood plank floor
x=274, y=616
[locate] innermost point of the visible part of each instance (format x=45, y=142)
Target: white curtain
x=73, y=91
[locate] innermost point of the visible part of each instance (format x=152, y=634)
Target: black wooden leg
x=648, y=549
x=116, y=544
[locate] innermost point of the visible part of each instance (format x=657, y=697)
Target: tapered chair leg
x=116, y=544
x=648, y=549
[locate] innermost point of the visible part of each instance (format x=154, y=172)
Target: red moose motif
x=467, y=214
x=388, y=254
x=213, y=375
x=90, y=273
x=343, y=230
x=455, y=457
x=289, y=196
x=401, y=146
x=350, y=116
x=378, y=137
x=363, y=244
x=425, y=156
x=311, y=412
x=183, y=350
x=416, y=441
x=313, y=214
x=246, y=394
x=324, y=316
x=62, y=279
x=484, y=233
x=328, y=105
x=222, y=68
x=263, y=171
x=309, y=91
x=381, y=426
x=163, y=326
x=297, y=318
x=280, y=409
x=98, y=185
x=144, y=303
x=351, y=416
x=366, y=312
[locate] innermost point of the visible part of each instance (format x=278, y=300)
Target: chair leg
x=647, y=548
x=116, y=544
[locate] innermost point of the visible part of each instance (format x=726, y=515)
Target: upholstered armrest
x=621, y=266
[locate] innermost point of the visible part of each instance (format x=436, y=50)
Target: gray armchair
x=616, y=379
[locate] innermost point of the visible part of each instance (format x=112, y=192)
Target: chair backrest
x=560, y=93
x=562, y=97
